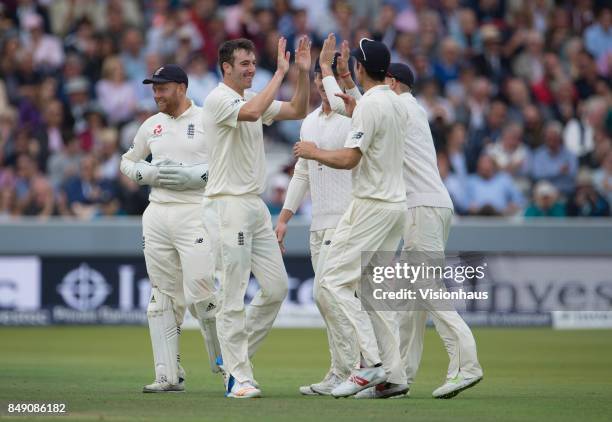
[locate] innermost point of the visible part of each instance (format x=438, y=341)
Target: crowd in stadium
x=517, y=92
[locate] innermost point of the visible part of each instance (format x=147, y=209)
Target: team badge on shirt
x=190, y=131
x=357, y=135
x=157, y=131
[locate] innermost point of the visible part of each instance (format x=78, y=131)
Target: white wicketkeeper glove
x=183, y=177
x=148, y=173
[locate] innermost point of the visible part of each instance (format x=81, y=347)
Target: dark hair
x=375, y=76
x=226, y=51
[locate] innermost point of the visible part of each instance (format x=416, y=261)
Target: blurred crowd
x=517, y=92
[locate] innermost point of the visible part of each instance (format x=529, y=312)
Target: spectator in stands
x=598, y=36
x=553, y=162
x=545, y=201
x=454, y=183
x=478, y=139
x=85, y=192
x=115, y=93
x=490, y=63
x=603, y=178
x=133, y=198
x=510, y=153
x=455, y=150
x=133, y=55
x=108, y=155
x=278, y=189
x=446, y=69
x=46, y=49
x=585, y=201
x=64, y=164
x=491, y=192
x=201, y=80
x=40, y=200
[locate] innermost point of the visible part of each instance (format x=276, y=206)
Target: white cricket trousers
x=343, y=348
x=178, y=254
x=366, y=226
x=427, y=230
x=244, y=242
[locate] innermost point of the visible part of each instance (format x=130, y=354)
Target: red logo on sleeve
x=158, y=130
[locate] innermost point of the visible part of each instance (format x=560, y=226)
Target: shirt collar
x=229, y=89
x=376, y=88
x=186, y=113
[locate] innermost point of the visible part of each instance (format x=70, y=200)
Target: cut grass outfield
x=530, y=375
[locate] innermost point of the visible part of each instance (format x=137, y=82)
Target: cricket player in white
x=375, y=218
x=177, y=251
x=233, y=211
x=330, y=191
x=428, y=222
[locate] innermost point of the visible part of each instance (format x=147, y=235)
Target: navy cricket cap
x=402, y=73
x=168, y=73
x=373, y=55
x=334, y=65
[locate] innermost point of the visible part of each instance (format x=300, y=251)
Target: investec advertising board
x=522, y=290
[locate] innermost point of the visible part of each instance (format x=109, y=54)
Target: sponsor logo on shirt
x=357, y=135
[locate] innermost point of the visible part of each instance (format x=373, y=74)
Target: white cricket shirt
x=237, y=160
x=424, y=186
x=181, y=139
x=378, y=129
x=330, y=189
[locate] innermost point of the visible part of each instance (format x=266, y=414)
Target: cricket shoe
x=305, y=390
x=325, y=387
x=163, y=386
x=454, y=386
x=360, y=379
x=243, y=390
x=385, y=390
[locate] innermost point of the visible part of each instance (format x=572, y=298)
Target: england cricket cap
x=334, y=65
x=402, y=73
x=373, y=55
x=168, y=73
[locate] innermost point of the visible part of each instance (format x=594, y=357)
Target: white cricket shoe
x=326, y=386
x=385, y=390
x=360, y=379
x=454, y=386
x=163, y=386
x=305, y=390
x=244, y=390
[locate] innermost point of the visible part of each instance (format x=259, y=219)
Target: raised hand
x=302, y=54
x=327, y=52
x=343, y=60
x=282, y=61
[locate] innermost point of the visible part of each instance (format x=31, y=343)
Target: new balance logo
x=199, y=240
x=357, y=135
x=327, y=242
x=240, y=239
x=190, y=131
x=211, y=306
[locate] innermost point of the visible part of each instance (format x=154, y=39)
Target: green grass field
x=530, y=375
